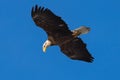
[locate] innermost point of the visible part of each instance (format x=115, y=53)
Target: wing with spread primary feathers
x=76, y=49
x=51, y=23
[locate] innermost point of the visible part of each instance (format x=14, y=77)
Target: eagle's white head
x=46, y=44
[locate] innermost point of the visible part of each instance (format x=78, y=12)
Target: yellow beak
x=44, y=49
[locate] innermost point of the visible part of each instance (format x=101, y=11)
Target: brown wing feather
x=76, y=49
x=51, y=23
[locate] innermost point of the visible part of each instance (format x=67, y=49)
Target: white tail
x=81, y=30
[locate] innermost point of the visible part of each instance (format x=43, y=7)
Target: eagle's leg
x=81, y=30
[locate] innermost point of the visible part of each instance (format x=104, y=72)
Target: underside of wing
x=76, y=49
x=47, y=20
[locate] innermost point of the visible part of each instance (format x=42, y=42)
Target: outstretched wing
x=51, y=23
x=76, y=49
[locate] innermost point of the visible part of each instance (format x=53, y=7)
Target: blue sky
x=21, y=56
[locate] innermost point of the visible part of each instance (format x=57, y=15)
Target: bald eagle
x=59, y=34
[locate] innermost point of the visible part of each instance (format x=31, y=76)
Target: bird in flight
x=59, y=34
